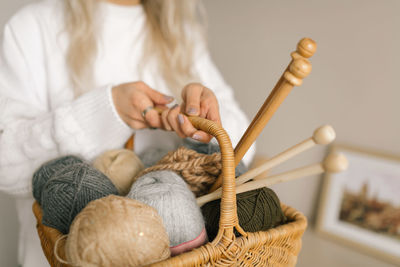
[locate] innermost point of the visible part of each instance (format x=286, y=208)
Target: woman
x=80, y=76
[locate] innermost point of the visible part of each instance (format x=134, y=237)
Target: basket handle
x=229, y=218
x=228, y=213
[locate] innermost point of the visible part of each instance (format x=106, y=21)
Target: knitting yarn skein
x=121, y=166
x=117, y=231
x=69, y=191
x=47, y=170
x=198, y=170
x=211, y=148
x=168, y=193
x=258, y=210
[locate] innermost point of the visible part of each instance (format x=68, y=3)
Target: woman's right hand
x=132, y=99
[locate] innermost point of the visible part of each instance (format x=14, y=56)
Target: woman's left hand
x=198, y=100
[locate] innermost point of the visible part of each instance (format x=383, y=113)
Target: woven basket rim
x=296, y=226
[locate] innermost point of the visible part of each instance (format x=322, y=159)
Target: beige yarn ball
x=121, y=166
x=116, y=231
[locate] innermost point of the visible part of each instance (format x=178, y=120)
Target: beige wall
x=352, y=85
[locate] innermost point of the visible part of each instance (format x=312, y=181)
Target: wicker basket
x=276, y=247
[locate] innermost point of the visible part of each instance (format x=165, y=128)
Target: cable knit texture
x=40, y=119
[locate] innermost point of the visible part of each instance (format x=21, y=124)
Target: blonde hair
x=171, y=30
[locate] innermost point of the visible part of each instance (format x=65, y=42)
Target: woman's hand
x=197, y=101
x=134, y=103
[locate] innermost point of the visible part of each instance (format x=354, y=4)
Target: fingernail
x=196, y=137
x=192, y=111
x=181, y=119
x=168, y=98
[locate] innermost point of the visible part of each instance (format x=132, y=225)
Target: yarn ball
x=258, y=210
x=211, y=148
x=47, y=170
x=168, y=193
x=117, y=231
x=121, y=166
x=152, y=155
x=69, y=191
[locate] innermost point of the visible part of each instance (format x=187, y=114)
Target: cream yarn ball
x=116, y=231
x=121, y=166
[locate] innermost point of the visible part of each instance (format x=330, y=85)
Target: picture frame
x=360, y=207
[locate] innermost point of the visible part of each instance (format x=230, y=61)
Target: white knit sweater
x=41, y=120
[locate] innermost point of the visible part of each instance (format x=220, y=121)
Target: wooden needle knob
x=298, y=69
x=324, y=135
x=306, y=47
x=335, y=162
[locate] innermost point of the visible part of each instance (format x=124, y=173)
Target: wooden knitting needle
x=334, y=162
x=298, y=69
x=324, y=135
x=305, y=49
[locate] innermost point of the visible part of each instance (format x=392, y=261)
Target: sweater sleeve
x=32, y=133
x=233, y=118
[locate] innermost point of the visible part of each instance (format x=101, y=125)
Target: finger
x=210, y=110
x=172, y=119
x=164, y=119
x=192, y=99
x=201, y=136
x=204, y=108
x=149, y=114
x=135, y=124
x=183, y=106
x=157, y=97
x=160, y=108
x=185, y=125
x=190, y=131
x=153, y=119
x=213, y=114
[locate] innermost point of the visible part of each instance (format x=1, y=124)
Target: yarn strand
x=56, y=250
x=199, y=170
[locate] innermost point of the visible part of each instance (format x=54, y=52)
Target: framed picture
x=361, y=206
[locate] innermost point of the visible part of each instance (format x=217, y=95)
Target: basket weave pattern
x=276, y=247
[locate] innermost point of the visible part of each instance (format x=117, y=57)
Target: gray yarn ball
x=168, y=193
x=152, y=155
x=47, y=170
x=209, y=149
x=69, y=191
